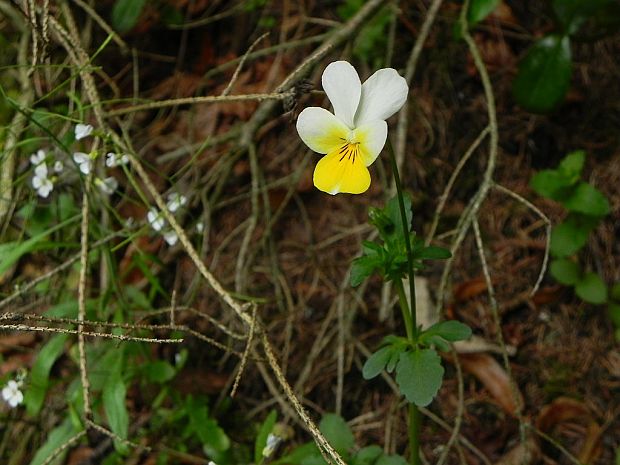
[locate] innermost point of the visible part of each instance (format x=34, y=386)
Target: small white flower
x=272, y=442
x=41, y=182
x=211, y=462
x=84, y=161
x=171, y=237
x=155, y=219
x=37, y=158
x=176, y=201
x=107, y=185
x=112, y=160
x=82, y=131
x=11, y=394
x=58, y=166
x=200, y=227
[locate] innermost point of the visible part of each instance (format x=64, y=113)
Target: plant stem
x=408, y=309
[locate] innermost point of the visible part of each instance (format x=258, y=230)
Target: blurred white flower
x=176, y=201
x=200, y=227
x=171, y=237
x=82, y=131
x=58, y=166
x=112, y=160
x=107, y=185
x=42, y=184
x=37, y=158
x=84, y=161
x=12, y=394
x=155, y=219
x=272, y=442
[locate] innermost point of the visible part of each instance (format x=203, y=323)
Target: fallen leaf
x=491, y=374
x=468, y=289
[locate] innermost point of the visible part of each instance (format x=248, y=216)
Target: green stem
x=408, y=309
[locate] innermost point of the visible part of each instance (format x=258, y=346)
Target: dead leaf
x=9, y=342
x=491, y=374
x=469, y=289
x=515, y=456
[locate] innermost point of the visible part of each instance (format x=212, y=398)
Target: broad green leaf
x=550, y=184
x=113, y=395
x=439, y=342
x=363, y=267
x=615, y=292
x=588, y=200
x=565, y=271
x=39, y=375
x=591, y=289
x=419, y=374
x=55, y=439
x=614, y=313
x=450, y=330
x=337, y=432
x=125, y=14
x=571, y=235
x=376, y=362
x=480, y=9
x=433, y=253
x=367, y=455
x=261, y=438
x=215, y=436
x=571, y=166
x=544, y=74
x=391, y=460
x=299, y=455
x=159, y=371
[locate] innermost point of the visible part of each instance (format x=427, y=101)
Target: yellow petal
x=342, y=170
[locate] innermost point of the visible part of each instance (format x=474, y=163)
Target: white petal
x=320, y=130
x=343, y=88
x=80, y=157
x=46, y=188
x=372, y=137
x=110, y=160
x=82, y=130
x=58, y=166
x=38, y=157
x=171, y=237
x=108, y=185
x=7, y=393
x=40, y=171
x=383, y=94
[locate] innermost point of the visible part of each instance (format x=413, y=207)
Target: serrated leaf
x=591, y=289
x=571, y=166
x=565, y=271
x=588, y=200
x=125, y=14
x=480, y=9
x=571, y=235
x=363, y=267
x=337, y=433
x=450, y=330
x=419, y=374
x=40, y=372
x=544, y=74
x=376, y=362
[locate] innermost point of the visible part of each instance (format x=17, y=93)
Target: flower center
x=349, y=149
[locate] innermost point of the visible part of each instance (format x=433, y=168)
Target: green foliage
x=206, y=428
x=480, y=9
x=591, y=289
x=544, y=74
x=419, y=374
x=55, y=439
x=340, y=436
x=389, y=258
x=40, y=373
x=125, y=14
x=113, y=395
x=565, y=271
x=261, y=438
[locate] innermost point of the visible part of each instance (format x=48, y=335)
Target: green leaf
x=367, y=455
x=299, y=455
x=572, y=165
x=565, y=271
x=391, y=460
x=392, y=211
x=363, y=267
x=571, y=235
x=615, y=292
x=591, y=289
x=55, y=439
x=39, y=375
x=376, y=362
x=614, y=313
x=125, y=14
x=573, y=13
x=113, y=395
x=207, y=429
x=337, y=433
x=450, y=330
x=588, y=200
x=544, y=74
x=159, y=371
x=432, y=253
x=261, y=438
x=439, y=342
x=480, y=9
x=419, y=374
x=550, y=184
